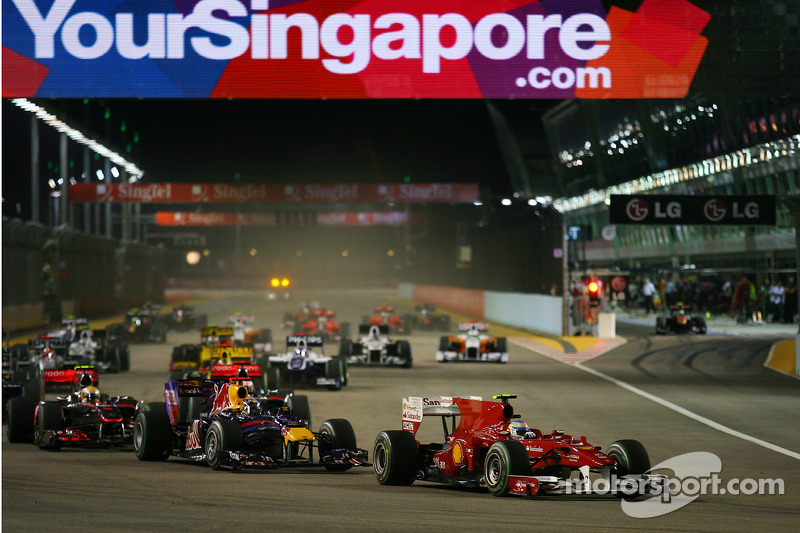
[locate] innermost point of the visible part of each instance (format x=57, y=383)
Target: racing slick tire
x=271, y=377
x=444, y=344
x=404, y=353
x=151, y=433
x=394, y=457
x=502, y=344
x=20, y=419
x=336, y=370
x=345, y=348
x=49, y=417
x=700, y=322
x=630, y=455
x=340, y=436
x=223, y=435
x=301, y=408
x=661, y=325
x=345, y=371
x=124, y=357
x=505, y=458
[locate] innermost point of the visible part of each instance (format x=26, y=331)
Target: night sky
x=272, y=141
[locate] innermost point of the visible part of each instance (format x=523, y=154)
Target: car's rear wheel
x=49, y=417
x=394, y=458
x=272, y=378
x=630, y=455
x=151, y=433
x=336, y=434
x=223, y=435
x=335, y=371
x=404, y=353
x=700, y=322
x=504, y=459
x=661, y=325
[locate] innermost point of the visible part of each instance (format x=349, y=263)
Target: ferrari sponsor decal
x=534, y=449
x=408, y=426
x=412, y=409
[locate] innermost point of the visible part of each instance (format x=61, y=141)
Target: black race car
x=680, y=321
x=141, y=324
x=184, y=318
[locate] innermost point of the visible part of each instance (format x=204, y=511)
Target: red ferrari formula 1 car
x=486, y=445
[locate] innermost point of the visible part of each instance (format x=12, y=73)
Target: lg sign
x=673, y=209
x=638, y=210
x=715, y=210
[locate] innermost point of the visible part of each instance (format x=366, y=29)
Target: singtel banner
x=363, y=218
x=351, y=48
x=678, y=209
x=254, y=193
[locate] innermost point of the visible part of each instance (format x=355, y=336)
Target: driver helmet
x=518, y=429
x=681, y=317
x=90, y=394
x=48, y=353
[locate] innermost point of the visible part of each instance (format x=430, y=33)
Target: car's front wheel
x=151, y=433
x=223, y=435
x=504, y=459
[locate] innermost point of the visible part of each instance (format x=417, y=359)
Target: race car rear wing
x=366, y=329
x=315, y=341
x=480, y=326
x=216, y=331
x=415, y=408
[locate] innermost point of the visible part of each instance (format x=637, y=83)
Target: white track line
x=680, y=410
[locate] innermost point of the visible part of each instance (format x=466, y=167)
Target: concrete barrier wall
x=23, y=316
x=467, y=301
x=537, y=312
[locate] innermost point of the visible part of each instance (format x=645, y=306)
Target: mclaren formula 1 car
x=473, y=344
x=222, y=423
x=680, y=321
x=83, y=418
x=374, y=347
x=486, y=445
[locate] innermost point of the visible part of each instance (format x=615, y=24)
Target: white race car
x=374, y=347
x=304, y=364
x=473, y=344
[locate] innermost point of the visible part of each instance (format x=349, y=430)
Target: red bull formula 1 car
x=485, y=445
x=680, y=321
x=227, y=423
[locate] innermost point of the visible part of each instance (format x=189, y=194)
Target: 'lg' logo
x=715, y=210
x=637, y=209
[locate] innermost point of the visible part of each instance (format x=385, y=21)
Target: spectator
x=741, y=296
x=670, y=292
x=648, y=289
x=776, y=295
x=790, y=301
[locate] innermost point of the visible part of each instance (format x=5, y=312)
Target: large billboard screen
x=385, y=49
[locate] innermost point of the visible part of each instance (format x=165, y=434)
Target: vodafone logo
x=715, y=210
x=637, y=209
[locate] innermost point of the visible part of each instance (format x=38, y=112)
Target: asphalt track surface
x=630, y=392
